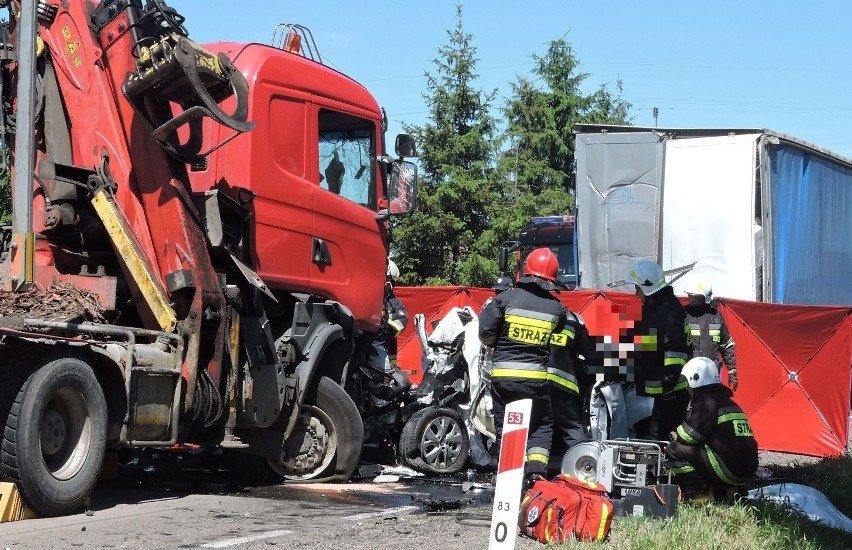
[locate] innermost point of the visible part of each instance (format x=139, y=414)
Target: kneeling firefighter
x=715, y=445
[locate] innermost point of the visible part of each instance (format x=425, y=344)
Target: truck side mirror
x=503, y=259
x=402, y=191
x=405, y=146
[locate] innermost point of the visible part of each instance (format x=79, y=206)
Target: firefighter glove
x=733, y=381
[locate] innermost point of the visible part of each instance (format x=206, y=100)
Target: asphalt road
x=154, y=505
x=186, y=501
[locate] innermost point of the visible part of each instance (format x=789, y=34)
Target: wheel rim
x=442, y=442
x=311, y=447
x=65, y=433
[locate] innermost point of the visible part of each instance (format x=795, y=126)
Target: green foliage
x=537, y=167
x=435, y=245
x=541, y=115
x=5, y=200
x=475, y=194
x=749, y=525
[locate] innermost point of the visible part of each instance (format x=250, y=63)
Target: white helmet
x=697, y=285
x=393, y=271
x=701, y=371
x=648, y=276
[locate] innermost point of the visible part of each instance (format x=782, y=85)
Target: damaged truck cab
x=199, y=238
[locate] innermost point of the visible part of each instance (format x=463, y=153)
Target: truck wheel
x=55, y=435
x=326, y=442
x=435, y=441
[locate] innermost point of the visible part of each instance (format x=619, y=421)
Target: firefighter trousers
x=692, y=468
x=507, y=390
x=568, y=422
x=668, y=413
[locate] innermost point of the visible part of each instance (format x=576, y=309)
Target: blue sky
x=781, y=65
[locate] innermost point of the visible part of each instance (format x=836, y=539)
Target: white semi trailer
x=766, y=216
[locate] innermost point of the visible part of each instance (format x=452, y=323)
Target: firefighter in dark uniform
x=715, y=444
x=662, y=348
x=570, y=351
x=501, y=283
x=520, y=323
x=710, y=336
x=395, y=316
x=394, y=320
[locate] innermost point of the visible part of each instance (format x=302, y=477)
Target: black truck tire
x=326, y=442
x=435, y=441
x=55, y=434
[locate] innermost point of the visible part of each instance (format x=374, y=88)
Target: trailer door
x=619, y=178
x=709, y=212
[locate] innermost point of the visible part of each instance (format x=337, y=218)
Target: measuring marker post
x=510, y=475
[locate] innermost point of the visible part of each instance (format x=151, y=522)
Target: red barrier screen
x=793, y=361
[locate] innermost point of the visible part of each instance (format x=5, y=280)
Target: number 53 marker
x=510, y=475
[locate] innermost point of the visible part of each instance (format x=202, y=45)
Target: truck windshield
x=345, y=157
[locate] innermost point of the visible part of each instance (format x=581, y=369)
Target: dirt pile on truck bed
x=61, y=301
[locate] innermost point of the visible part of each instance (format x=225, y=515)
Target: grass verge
x=746, y=525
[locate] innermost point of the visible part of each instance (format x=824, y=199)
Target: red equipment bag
x=565, y=508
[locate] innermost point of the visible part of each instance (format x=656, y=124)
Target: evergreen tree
x=435, y=245
x=537, y=167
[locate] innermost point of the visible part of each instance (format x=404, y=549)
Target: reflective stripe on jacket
x=663, y=344
x=570, y=350
x=520, y=324
x=710, y=336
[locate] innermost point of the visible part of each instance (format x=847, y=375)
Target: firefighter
x=715, y=445
x=663, y=348
x=502, y=283
x=710, y=336
x=381, y=355
x=520, y=323
x=566, y=373
x=395, y=316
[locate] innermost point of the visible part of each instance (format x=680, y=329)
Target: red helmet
x=542, y=263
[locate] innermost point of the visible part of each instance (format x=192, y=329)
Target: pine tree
x=436, y=244
x=537, y=166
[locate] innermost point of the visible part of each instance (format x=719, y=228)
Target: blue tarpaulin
x=811, y=209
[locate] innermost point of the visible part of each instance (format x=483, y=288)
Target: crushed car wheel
x=435, y=441
x=55, y=435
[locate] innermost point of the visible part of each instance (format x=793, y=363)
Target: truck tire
x=326, y=442
x=435, y=441
x=55, y=435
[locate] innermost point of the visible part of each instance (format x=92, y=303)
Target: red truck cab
x=312, y=176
